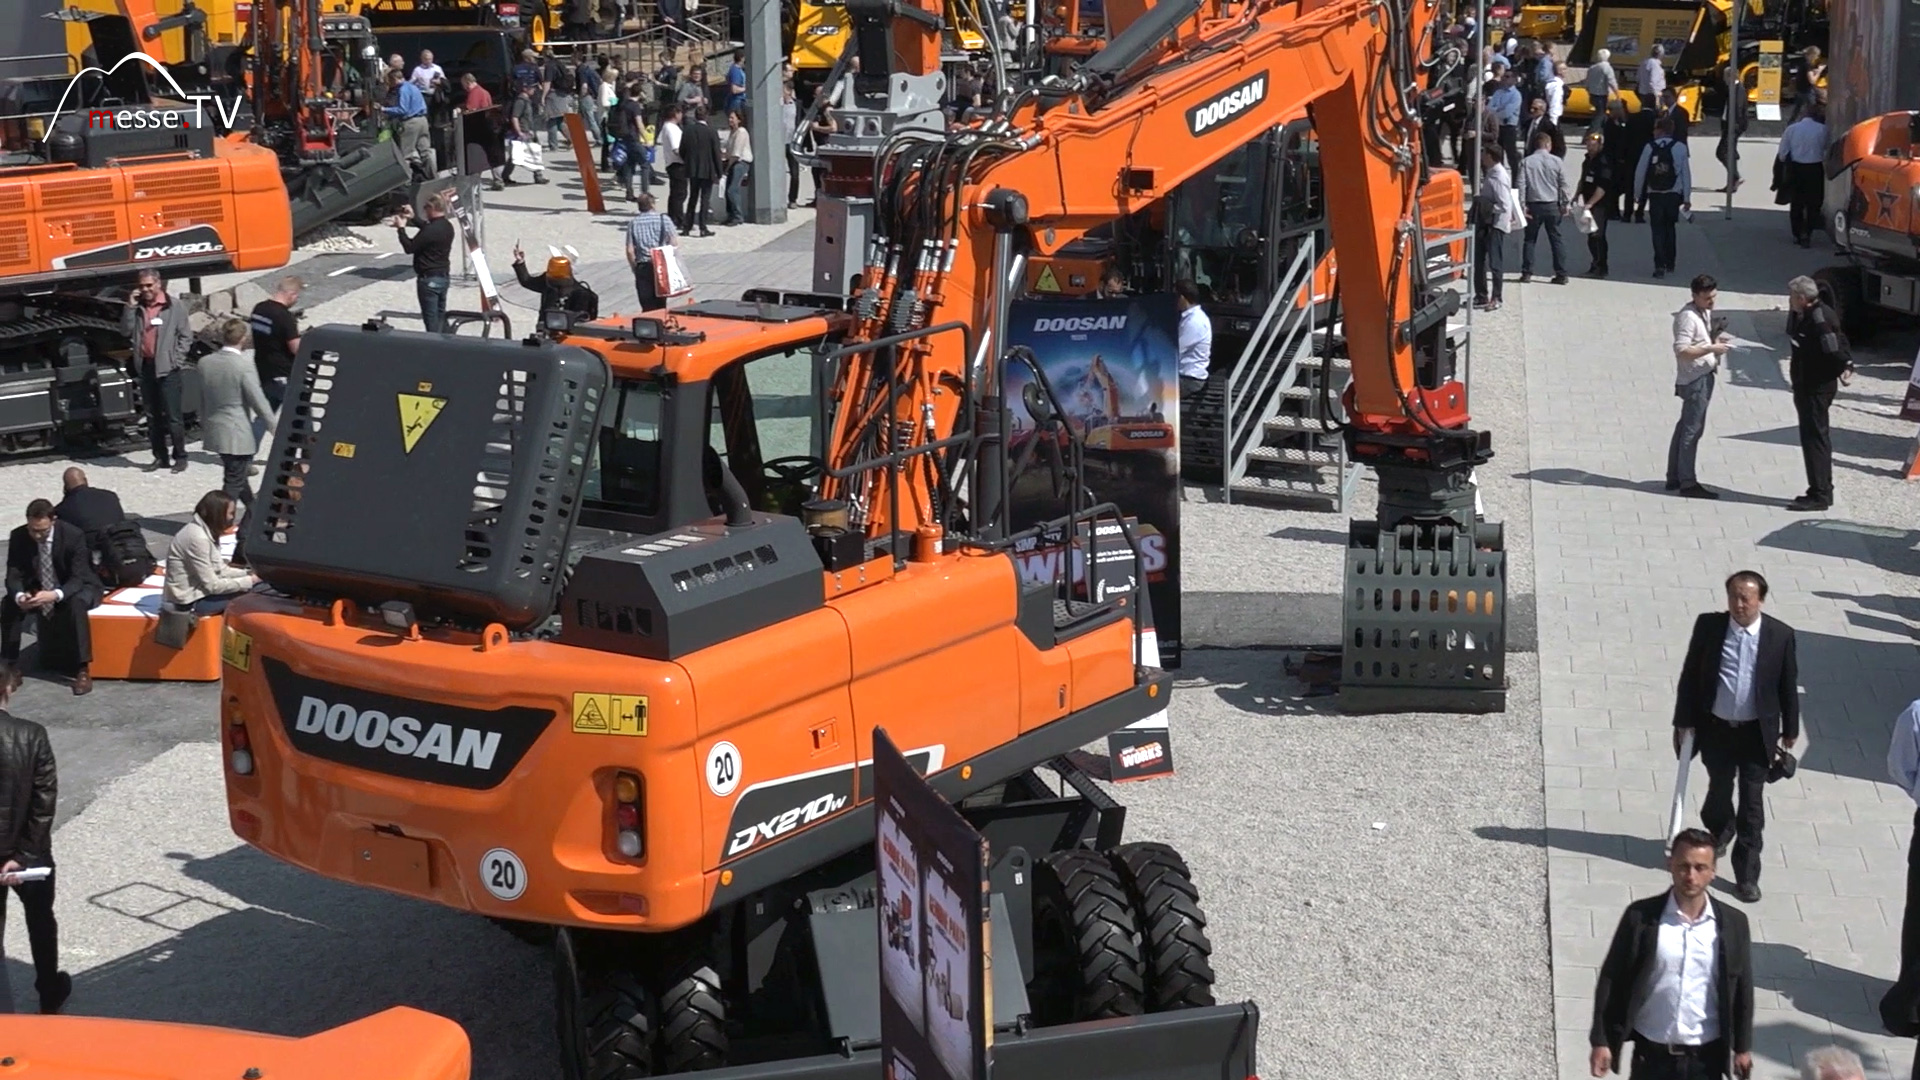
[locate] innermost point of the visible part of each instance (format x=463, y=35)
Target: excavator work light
x=398, y=614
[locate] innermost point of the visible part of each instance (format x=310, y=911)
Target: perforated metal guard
x=465, y=512
x=1425, y=623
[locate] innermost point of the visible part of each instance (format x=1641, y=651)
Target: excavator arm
x=954, y=209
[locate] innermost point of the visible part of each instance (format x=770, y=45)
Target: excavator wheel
x=1086, y=952
x=606, y=1019
x=693, y=1022
x=1849, y=300
x=1173, y=930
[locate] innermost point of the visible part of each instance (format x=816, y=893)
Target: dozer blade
x=1213, y=1043
x=323, y=191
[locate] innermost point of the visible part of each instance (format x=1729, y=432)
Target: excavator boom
x=941, y=218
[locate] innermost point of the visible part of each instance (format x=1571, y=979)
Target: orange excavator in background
x=1876, y=168
x=594, y=685
x=125, y=169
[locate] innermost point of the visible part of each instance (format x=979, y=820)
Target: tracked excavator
x=595, y=685
x=109, y=178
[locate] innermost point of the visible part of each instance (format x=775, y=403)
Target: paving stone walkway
x=1622, y=570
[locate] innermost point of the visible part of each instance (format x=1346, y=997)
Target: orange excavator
x=594, y=685
x=398, y=1044
x=107, y=178
x=1875, y=169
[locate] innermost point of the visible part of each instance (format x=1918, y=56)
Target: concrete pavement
x=1623, y=567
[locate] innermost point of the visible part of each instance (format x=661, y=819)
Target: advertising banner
x=1767, y=84
x=935, y=996
x=1630, y=34
x=1113, y=365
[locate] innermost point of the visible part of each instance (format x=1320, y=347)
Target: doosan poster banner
x=1113, y=365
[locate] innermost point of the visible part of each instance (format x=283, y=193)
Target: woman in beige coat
x=199, y=579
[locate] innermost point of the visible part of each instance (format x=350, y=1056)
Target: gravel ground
x=1420, y=932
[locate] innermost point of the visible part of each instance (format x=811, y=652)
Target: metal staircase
x=1269, y=428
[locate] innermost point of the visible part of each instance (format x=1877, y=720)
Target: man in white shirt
x=1799, y=169
x=1678, y=980
x=1196, y=338
x=1653, y=77
x=1556, y=92
x=666, y=155
x=1739, y=693
x=427, y=74
x=1697, y=355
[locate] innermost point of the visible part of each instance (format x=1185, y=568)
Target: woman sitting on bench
x=198, y=578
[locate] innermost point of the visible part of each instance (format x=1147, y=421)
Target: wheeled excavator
x=534, y=642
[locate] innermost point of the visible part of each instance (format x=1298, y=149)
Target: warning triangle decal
x=417, y=414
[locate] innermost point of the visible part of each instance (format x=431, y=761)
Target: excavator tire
x=1086, y=951
x=1849, y=300
x=693, y=1023
x=619, y=1029
x=1174, y=948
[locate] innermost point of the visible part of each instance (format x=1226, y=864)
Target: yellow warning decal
x=417, y=414
x=236, y=649
x=343, y=449
x=1047, y=282
x=425, y=388
x=610, y=714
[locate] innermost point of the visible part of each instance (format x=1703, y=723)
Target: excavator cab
x=1235, y=229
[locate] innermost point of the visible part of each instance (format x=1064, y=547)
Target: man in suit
x=1739, y=693
x=1677, y=980
x=229, y=391
x=1538, y=121
x=49, y=575
x=700, y=147
x=90, y=508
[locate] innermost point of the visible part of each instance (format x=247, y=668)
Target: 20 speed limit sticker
x=723, y=769
x=504, y=875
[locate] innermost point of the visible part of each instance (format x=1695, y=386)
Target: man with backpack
x=557, y=79
x=1821, y=358
x=1663, y=183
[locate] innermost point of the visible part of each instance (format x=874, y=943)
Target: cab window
x=624, y=474
x=766, y=411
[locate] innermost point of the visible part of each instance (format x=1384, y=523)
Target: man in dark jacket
x=1739, y=692
x=700, y=148
x=432, y=251
x=1821, y=356
x=1677, y=980
x=49, y=575
x=157, y=327
x=1640, y=132
x=88, y=508
x=1596, y=192
x=558, y=288
x=29, y=786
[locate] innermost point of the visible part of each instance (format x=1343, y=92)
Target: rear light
x=626, y=815
x=240, y=748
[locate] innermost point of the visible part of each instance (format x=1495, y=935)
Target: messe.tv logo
x=184, y=117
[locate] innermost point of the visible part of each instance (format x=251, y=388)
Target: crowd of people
x=1636, y=167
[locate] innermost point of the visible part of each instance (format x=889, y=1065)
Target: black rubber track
x=693, y=1023
x=1087, y=953
x=618, y=1014
x=1175, y=953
